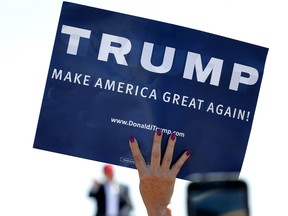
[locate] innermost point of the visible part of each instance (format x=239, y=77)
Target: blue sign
x=113, y=76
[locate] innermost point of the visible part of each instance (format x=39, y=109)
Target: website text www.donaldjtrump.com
x=145, y=126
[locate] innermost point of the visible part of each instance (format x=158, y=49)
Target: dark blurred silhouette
x=112, y=198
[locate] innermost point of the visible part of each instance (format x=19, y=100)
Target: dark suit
x=124, y=201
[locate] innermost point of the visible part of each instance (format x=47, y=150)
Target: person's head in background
x=108, y=171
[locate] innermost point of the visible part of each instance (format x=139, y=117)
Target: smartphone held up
x=218, y=198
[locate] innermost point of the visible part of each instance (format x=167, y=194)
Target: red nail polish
x=188, y=153
x=131, y=139
x=173, y=136
x=159, y=132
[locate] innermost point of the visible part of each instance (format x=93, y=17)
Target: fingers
x=156, y=154
x=166, y=162
x=156, y=149
x=177, y=166
x=137, y=155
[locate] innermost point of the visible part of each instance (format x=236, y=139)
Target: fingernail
x=173, y=136
x=159, y=132
x=188, y=153
x=131, y=139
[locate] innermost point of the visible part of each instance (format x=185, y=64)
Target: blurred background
x=35, y=182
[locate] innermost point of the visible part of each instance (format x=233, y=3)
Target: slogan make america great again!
x=114, y=75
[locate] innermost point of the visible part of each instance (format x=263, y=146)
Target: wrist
x=166, y=211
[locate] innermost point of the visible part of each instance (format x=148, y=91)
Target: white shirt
x=112, y=198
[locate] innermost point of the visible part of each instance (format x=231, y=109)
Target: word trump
x=119, y=47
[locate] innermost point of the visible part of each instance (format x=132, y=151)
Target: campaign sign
x=114, y=75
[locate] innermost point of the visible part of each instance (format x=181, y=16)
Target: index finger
x=137, y=155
